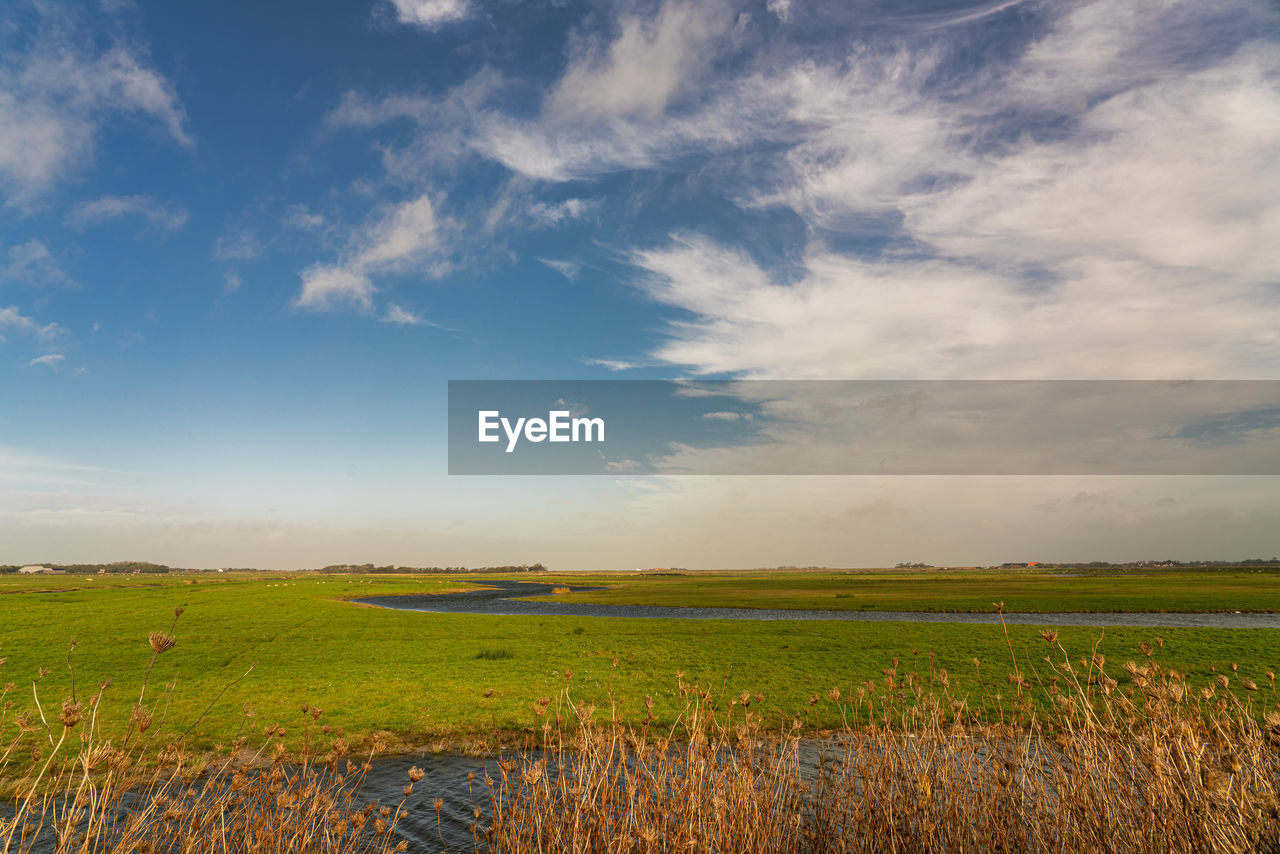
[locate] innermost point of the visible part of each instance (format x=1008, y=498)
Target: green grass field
x=422, y=676
x=1148, y=589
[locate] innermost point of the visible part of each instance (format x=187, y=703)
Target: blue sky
x=243, y=246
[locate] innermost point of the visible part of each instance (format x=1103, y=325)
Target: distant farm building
x=38, y=570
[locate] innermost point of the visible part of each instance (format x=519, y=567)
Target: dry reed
x=1068, y=761
x=1058, y=755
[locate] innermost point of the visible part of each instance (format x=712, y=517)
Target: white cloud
x=568, y=269
x=56, y=96
x=1135, y=230
x=1108, y=190
x=303, y=219
x=430, y=14
x=553, y=214
x=445, y=125
x=167, y=217
x=645, y=67
x=399, y=239
x=1111, y=183
x=406, y=238
x=845, y=317
x=325, y=287
x=31, y=263
x=642, y=97
x=401, y=316
x=869, y=138
x=634, y=92
x=13, y=319
x=614, y=364
x=53, y=360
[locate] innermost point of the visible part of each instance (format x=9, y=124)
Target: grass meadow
x=240, y=712
x=457, y=680
x=1029, y=590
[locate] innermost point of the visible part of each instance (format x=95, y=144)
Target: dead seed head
x=160, y=642
x=142, y=718
x=70, y=714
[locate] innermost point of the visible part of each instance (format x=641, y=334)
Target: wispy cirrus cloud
x=19, y=464
x=32, y=263
x=13, y=319
x=644, y=67
x=105, y=208
x=400, y=316
x=407, y=237
x=56, y=362
x=568, y=269
x=551, y=214
x=1050, y=183
x=59, y=90
x=1061, y=194
x=631, y=95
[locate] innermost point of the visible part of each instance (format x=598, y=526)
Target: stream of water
x=505, y=598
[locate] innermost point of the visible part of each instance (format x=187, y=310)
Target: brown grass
x=1071, y=760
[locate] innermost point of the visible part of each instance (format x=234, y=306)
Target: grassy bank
x=1027, y=590
x=445, y=679
x=1083, y=755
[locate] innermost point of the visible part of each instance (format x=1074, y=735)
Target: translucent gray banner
x=619, y=427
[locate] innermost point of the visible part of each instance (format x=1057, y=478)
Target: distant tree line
x=123, y=567
x=1191, y=564
x=370, y=569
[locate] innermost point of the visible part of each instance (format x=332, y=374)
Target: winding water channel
x=506, y=598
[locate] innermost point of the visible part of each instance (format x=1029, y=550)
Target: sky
x=244, y=247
